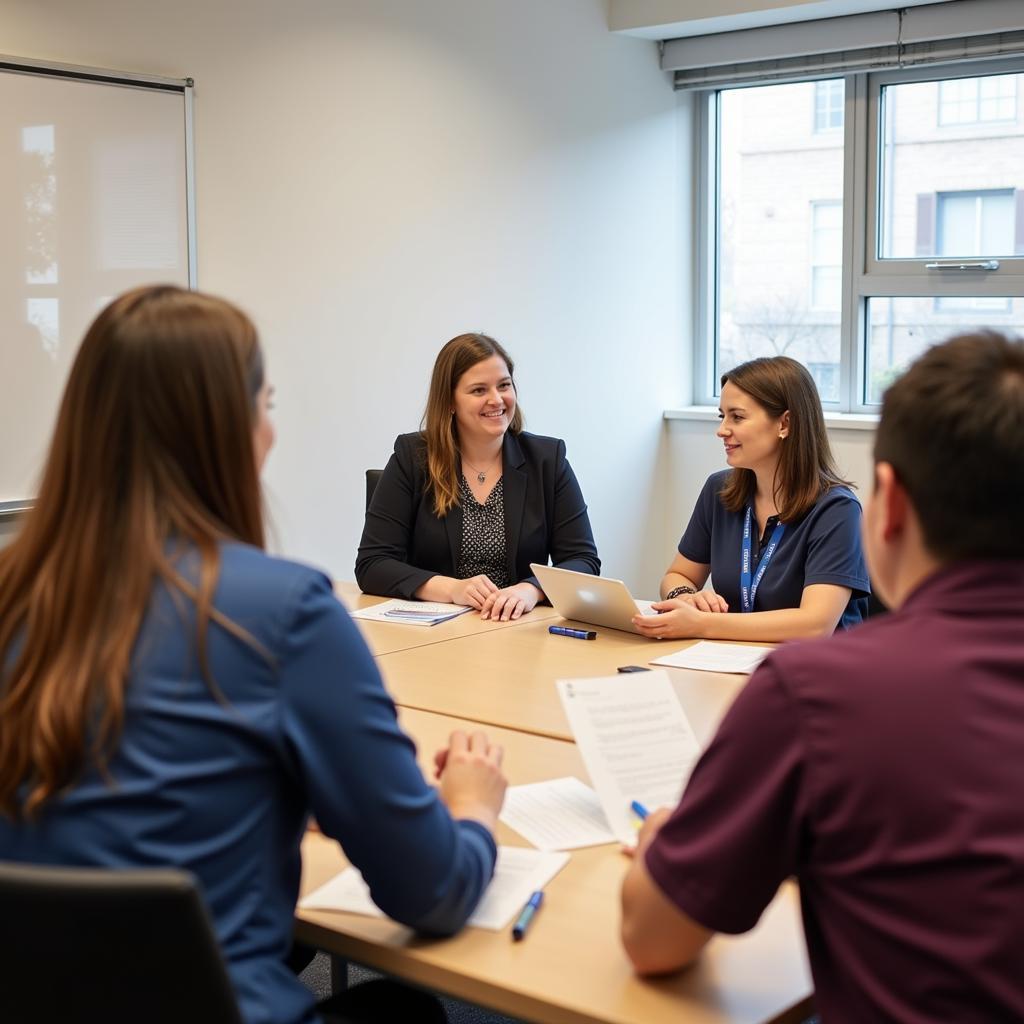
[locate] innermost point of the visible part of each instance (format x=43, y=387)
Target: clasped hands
x=471, y=782
x=683, y=616
x=495, y=602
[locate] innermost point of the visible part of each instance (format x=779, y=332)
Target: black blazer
x=404, y=543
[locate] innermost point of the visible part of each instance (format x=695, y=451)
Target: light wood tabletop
x=508, y=679
x=570, y=969
x=388, y=637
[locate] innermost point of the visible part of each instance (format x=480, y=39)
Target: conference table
x=390, y=637
x=571, y=968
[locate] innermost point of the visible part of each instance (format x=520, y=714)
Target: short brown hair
x=458, y=356
x=806, y=468
x=952, y=428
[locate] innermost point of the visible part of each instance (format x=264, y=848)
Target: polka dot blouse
x=483, y=535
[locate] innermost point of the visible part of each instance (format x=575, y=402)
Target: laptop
x=598, y=600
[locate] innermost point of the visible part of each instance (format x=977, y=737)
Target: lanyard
x=748, y=588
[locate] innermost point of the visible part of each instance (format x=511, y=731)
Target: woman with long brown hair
x=778, y=533
x=467, y=503
x=172, y=695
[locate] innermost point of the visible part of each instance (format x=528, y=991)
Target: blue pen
x=526, y=915
x=639, y=810
x=578, y=634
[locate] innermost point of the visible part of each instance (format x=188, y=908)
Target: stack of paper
x=517, y=875
x=414, y=613
x=711, y=657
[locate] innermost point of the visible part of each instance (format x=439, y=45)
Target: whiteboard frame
x=10, y=510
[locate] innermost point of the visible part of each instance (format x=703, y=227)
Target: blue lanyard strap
x=748, y=586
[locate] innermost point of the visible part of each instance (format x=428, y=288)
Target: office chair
x=372, y=479
x=89, y=945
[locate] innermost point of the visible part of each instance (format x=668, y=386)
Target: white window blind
x=945, y=33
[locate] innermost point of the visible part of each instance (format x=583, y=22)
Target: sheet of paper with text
x=636, y=742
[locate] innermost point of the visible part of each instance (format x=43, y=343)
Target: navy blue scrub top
x=822, y=547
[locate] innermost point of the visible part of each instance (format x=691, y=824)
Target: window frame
x=864, y=276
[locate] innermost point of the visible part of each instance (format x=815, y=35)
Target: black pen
x=577, y=634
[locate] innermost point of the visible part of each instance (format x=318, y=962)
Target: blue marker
x=578, y=634
x=639, y=810
x=526, y=915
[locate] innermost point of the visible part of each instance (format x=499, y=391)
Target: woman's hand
x=511, y=602
x=706, y=600
x=677, y=619
x=475, y=591
x=472, y=783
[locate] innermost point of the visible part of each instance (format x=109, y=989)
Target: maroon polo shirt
x=884, y=768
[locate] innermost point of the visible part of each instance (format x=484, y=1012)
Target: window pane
x=975, y=223
x=901, y=329
x=942, y=146
x=780, y=248
x=828, y=105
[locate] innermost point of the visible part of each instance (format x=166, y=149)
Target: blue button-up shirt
x=223, y=786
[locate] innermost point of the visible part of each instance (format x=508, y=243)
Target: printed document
x=635, y=740
x=711, y=657
x=412, y=613
x=519, y=873
x=560, y=814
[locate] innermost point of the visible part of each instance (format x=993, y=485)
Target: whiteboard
x=95, y=198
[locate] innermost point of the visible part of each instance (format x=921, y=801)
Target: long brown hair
x=153, y=445
x=457, y=357
x=806, y=467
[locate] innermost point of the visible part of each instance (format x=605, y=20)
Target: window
x=826, y=255
x=828, y=105
x=974, y=223
x=973, y=100
x=853, y=250
x=777, y=295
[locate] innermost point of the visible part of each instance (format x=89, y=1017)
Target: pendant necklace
x=481, y=475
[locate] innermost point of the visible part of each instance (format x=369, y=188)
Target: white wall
x=375, y=176
x=694, y=453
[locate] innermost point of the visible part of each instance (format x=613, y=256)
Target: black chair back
x=92, y=945
x=372, y=479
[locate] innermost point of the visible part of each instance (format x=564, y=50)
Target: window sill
x=833, y=420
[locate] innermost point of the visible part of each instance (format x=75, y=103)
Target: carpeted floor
x=318, y=977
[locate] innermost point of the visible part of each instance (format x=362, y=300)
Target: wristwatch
x=676, y=591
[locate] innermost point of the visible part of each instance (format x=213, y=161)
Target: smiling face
x=484, y=401
x=753, y=439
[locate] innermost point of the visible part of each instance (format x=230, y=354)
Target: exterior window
x=778, y=257
x=975, y=223
x=828, y=105
x=826, y=255
x=974, y=100
x=937, y=239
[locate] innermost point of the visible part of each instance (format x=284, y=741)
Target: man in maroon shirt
x=884, y=767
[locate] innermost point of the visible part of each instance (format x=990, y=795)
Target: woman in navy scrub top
x=778, y=533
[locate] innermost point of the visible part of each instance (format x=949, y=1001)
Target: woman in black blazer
x=465, y=505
